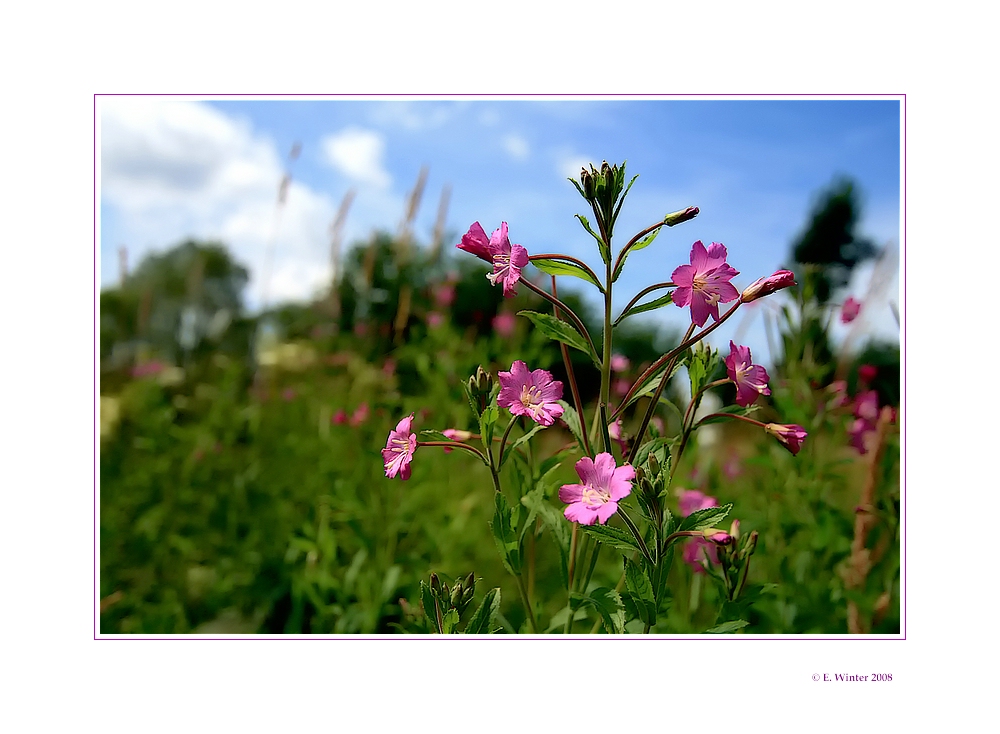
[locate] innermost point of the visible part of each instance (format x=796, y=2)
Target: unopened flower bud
x=721, y=538
x=640, y=474
x=435, y=584
x=588, y=183
x=681, y=216
x=456, y=594
x=791, y=436
x=734, y=529
x=654, y=465
x=752, y=543
x=765, y=286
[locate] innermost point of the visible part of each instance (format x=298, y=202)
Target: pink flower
x=732, y=468
x=456, y=435
x=434, y=319
x=603, y=486
x=288, y=394
x=360, y=415
x=750, y=379
x=619, y=363
x=507, y=259
x=339, y=418
x=533, y=394
x=850, y=310
x=147, y=368
x=693, y=556
x=504, y=324
x=839, y=390
x=621, y=387
x=766, y=286
x=704, y=284
x=476, y=242
x=859, y=432
x=866, y=407
x=791, y=436
x=389, y=368
x=691, y=500
x=399, y=449
x=867, y=372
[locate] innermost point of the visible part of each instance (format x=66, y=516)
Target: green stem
x=527, y=604
x=571, y=376
x=651, y=408
x=569, y=582
x=569, y=312
x=503, y=441
x=672, y=354
x=456, y=445
x=635, y=532
x=606, y=359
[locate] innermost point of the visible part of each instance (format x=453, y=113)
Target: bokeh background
x=279, y=285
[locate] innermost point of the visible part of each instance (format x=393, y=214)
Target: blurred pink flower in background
x=615, y=431
x=867, y=372
x=619, y=363
x=360, y=415
x=389, y=368
x=146, y=369
x=444, y=295
x=704, y=284
x=621, y=387
x=866, y=407
x=534, y=394
x=434, y=319
x=339, y=418
x=504, y=324
x=399, y=449
x=733, y=466
x=691, y=500
x=288, y=394
x=850, y=310
x=604, y=484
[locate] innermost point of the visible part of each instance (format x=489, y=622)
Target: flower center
x=595, y=496
x=501, y=265
x=700, y=284
x=400, y=445
x=741, y=377
x=531, y=399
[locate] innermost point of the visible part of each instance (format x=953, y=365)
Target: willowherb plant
x=638, y=481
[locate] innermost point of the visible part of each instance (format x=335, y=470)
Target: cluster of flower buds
x=733, y=552
x=481, y=387
x=458, y=597
x=603, y=188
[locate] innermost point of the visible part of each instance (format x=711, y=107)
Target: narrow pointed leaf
x=562, y=267
x=484, y=618
x=560, y=331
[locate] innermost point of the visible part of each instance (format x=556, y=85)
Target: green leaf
x=641, y=591
x=562, y=267
x=554, y=521
x=572, y=419
x=703, y=519
x=561, y=331
x=504, y=536
x=486, y=422
x=727, y=627
x=472, y=400
x=432, y=435
x=650, y=306
x=519, y=442
x=605, y=252
x=612, y=610
x=611, y=536
x=484, y=617
x=727, y=411
x=427, y=602
x=644, y=242
x=653, y=382
x=450, y=622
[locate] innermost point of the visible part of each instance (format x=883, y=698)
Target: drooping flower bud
x=683, y=215
x=766, y=286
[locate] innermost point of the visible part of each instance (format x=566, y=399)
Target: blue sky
x=177, y=168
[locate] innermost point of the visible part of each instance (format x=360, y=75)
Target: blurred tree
x=174, y=300
x=829, y=248
x=824, y=256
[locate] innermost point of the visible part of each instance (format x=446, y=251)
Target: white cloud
x=171, y=170
x=569, y=165
x=516, y=146
x=358, y=154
